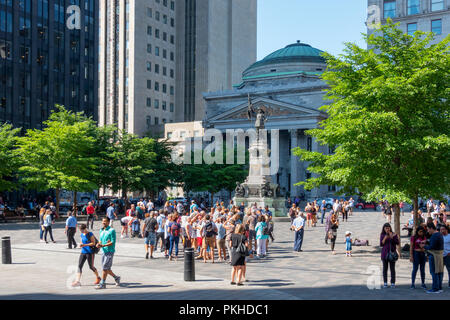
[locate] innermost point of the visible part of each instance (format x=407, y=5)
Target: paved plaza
x=43, y=271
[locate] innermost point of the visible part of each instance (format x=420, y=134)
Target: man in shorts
x=209, y=232
x=107, y=242
x=111, y=214
x=149, y=232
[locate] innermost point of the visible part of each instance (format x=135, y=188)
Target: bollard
x=6, y=250
x=189, y=264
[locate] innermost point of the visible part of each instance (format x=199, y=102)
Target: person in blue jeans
x=417, y=256
x=174, y=238
x=435, y=258
x=446, y=236
x=298, y=226
x=323, y=210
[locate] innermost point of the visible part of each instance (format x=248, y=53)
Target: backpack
x=265, y=230
x=209, y=230
x=94, y=249
x=242, y=249
x=175, y=229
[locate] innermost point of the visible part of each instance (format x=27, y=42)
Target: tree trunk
x=75, y=202
x=416, y=213
x=125, y=196
x=57, y=202
x=397, y=227
x=212, y=199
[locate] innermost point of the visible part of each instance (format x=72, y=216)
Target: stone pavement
x=43, y=271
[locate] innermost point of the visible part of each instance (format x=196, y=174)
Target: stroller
x=136, y=229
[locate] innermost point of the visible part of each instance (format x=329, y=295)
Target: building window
x=172, y=56
x=149, y=30
x=172, y=39
x=149, y=48
x=169, y=135
x=164, y=88
x=157, y=33
x=165, y=3
x=436, y=26
x=331, y=188
x=172, y=73
x=157, y=15
x=309, y=144
x=149, y=66
x=149, y=84
x=164, y=121
x=149, y=122
x=156, y=120
x=157, y=51
x=437, y=5
x=149, y=12
x=156, y=86
x=413, y=7
x=172, y=5
x=164, y=105
x=164, y=71
x=156, y=104
x=149, y=102
x=157, y=68
x=164, y=53
x=171, y=107
x=411, y=28
x=164, y=19
x=164, y=36
x=389, y=9
x=172, y=22
x=172, y=90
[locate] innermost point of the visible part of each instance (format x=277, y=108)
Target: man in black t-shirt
x=149, y=231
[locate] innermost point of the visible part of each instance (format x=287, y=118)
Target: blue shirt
x=160, y=219
x=259, y=231
x=71, y=222
x=110, y=212
x=86, y=239
x=268, y=212
x=436, y=242
x=221, y=231
x=298, y=222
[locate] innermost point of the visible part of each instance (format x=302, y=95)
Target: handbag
x=242, y=249
x=392, y=256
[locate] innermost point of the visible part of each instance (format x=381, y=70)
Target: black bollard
x=6, y=250
x=189, y=264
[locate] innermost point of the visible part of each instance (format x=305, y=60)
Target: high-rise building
x=413, y=15
x=48, y=56
x=158, y=56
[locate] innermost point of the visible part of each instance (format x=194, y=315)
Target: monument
x=258, y=187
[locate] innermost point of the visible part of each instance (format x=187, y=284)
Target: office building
x=48, y=56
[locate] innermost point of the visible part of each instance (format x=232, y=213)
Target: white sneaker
x=117, y=280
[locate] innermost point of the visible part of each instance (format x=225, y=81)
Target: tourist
x=149, y=231
x=70, y=230
x=348, y=244
x=161, y=220
x=90, y=211
x=351, y=203
x=237, y=256
x=293, y=212
x=314, y=212
x=298, y=226
x=189, y=234
x=48, y=221
x=435, y=258
x=209, y=232
x=220, y=239
x=111, y=214
x=131, y=212
x=328, y=226
x=417, y=256
x=332, y=236
x=388, y=212
x=150, y=206
x=446, y=254
x=323, y=210
x=388, y=241
x=87, y=245
x=345, y=210
x=230, y=227
x=169, y=219
x=430, y=207
x=308, y=211
x=249, y=221
x=125, y=222
x=41, y=224
x=107, y=243
x=174, y=229
x=262, y=235
x=2, y=212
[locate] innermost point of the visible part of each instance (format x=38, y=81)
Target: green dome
x=297, y=52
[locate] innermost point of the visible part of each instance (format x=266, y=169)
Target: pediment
x=275, y=109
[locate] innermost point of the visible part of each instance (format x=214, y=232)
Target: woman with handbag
x=238, y=253
x=388, y=243
x=332, y=233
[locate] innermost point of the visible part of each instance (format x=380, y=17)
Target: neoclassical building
x=288, y=83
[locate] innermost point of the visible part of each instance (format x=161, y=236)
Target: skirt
x=237, y=259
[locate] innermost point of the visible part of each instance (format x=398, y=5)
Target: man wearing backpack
x=174, y=229
x=149, y=231
x=209, y=232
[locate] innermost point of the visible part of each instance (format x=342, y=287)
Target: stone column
x=294, y=163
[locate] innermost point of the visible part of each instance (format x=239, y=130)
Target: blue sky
x=324, y=24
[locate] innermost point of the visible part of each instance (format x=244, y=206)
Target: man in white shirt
x=446, y=236
x=298, y=226
x=150, y=206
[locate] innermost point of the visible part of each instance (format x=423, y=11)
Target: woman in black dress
x=237, y=259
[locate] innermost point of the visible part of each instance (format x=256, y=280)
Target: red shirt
x=417, y=241
x=90, y=210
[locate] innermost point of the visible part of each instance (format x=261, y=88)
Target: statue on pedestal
x=240, y=191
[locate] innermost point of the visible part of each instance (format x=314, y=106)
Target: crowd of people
x=235, y=233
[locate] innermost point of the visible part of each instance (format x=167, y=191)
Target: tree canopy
x=9, y=161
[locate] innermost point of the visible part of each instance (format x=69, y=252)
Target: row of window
x=436, y=27
x=149, y=121
x=156, y=104
x=157, y=69
x=413, y=7
x=158, y=51
x=164, y=87
x=164, y=19
x=158, y=34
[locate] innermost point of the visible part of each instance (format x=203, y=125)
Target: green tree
x=389, y=119
x=127, y=161
x=9, y=162
x=61, y=156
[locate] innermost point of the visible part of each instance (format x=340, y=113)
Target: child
x=135, y=228
x=348, y=243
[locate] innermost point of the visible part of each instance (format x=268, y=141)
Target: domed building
x=287, y=83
